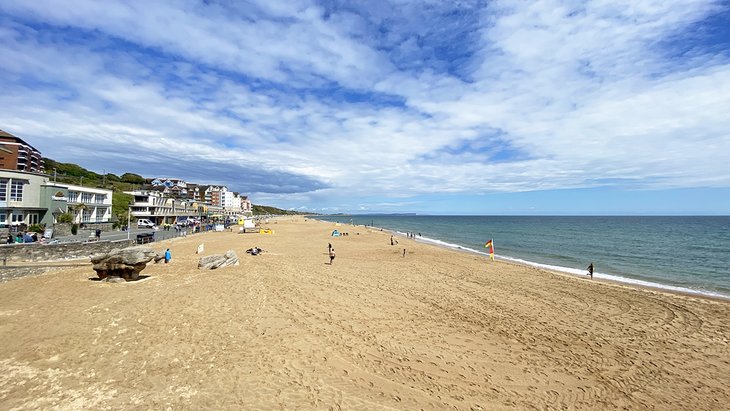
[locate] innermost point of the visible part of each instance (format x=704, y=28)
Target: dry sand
x=437, y=329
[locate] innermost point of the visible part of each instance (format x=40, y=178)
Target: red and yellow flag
x=490, y=244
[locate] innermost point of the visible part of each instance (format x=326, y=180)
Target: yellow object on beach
x=266, y=231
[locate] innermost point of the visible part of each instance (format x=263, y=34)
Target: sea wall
x=35, y=252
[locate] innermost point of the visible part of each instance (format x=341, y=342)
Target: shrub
x=65, y=218
x=36, y=228
x=74, y=229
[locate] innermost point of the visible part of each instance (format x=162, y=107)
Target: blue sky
x=434, y=107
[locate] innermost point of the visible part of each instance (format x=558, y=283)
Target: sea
x=682, y=254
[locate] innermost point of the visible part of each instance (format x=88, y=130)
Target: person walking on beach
x=391, y=240
x=168, y=256
x=404, y=253
x=329, y=248
x=590, y=270
x=332, y=255
x=98, y=234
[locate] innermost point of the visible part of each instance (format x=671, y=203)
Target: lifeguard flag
x=490, y=244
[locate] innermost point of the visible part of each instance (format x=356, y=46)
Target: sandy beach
x=434, y=329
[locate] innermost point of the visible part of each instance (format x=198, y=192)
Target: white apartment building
x=89, y=205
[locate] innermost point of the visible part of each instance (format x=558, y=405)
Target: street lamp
x=129, y=221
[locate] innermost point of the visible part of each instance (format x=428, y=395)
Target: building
x=155, y=206
x=21, y=198
x=89, y=205
x=16, y=154
x=246, y=206
x=30, y=198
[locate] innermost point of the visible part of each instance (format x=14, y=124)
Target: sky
x=434, y=107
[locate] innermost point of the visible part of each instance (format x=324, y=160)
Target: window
x=86, y=197
x=3, y=219
x=86, y=216
x=100, y=198
x=18, y=218
x=16, y=191
x=73, y=197
x=3, y=189
x=33, y=218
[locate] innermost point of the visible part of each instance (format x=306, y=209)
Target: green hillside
x=263, y=210
x=70, y=173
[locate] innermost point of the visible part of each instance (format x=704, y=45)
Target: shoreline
x=567, y=271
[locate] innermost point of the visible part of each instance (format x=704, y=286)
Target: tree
x=132, y=178
x=120, y=205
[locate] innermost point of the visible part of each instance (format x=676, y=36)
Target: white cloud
x=578, y=94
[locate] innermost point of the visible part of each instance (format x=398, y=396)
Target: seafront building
x=31, y=198
x=154, y=205
x=28, y=196
x=89, y=205
x=169, y=200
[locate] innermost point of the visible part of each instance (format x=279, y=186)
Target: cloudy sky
x=434, y=107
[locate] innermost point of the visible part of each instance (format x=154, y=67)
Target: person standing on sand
x=391, y=240
x=168, y=256
x=332, y=255
x=404, y=252
x=590, y=270
x=329, y=248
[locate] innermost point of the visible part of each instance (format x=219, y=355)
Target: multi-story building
x=89, y=205
x=246, y=206
x=30, y=198
x=16, y=154
x=192, y=192
x=214, y=195
x=228, y=202
x=160, y=209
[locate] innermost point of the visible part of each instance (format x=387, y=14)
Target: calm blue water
x=682, y=253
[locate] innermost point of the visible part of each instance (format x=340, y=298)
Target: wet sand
x=435, y=329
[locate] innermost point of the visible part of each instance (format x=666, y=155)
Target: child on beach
x=332, y=255
x=168, y=256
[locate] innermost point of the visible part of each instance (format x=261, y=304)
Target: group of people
x=393, y=241
x=26, y=237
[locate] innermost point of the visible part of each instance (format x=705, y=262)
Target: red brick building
x=16, y=154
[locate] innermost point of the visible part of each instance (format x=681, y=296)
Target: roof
x=5, y=134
